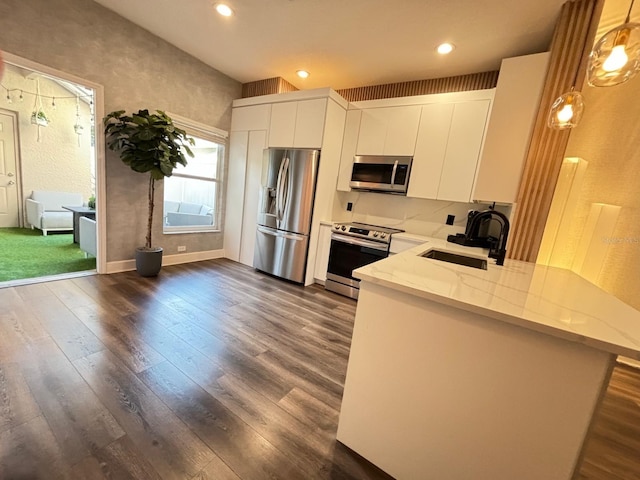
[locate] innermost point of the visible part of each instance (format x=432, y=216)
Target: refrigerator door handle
x=278, y=191
x=278, y=233
x=285, y=186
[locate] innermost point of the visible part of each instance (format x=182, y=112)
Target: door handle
x=9, y=174
x=11, y=182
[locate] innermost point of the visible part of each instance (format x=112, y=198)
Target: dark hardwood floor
x=210, y=371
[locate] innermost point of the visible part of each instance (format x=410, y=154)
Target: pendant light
x=615, y=58
x=566, y=111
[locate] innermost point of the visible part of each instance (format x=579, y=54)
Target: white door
x=9, y=215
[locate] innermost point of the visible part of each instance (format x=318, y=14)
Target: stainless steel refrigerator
x=284, y=214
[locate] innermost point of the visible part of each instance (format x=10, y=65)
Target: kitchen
x=368, y=207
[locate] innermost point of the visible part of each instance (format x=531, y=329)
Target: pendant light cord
x=629, y=14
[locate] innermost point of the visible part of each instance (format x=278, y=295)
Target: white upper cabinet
x=252, y=117
x=283, y=124
x=463, y=150
x=297, y=124
x=309, y=129
x=513, y=115
x=431, y=149
x=388, y=130
x=349, y=142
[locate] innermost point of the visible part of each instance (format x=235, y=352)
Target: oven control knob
x=375, y=234
x=383, y=235
x=343, y=227
x=336, y=226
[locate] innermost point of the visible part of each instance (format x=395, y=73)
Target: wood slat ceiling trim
x=461, y=83
x=576, y=28
x=267, y=86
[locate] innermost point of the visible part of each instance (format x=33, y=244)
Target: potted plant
x=148, y=143
x=38, y=117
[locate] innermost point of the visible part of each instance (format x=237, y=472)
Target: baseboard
x=128, y=265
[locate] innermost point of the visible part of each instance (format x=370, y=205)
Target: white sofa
x=87, y=236
x=44, y=210
x=180, y=214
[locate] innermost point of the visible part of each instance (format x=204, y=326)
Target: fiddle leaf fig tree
x=148, y=143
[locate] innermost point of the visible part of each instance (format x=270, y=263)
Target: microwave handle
x=393, y=173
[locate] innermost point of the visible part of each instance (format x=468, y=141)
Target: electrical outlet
x=450, y=219
x=182, y=248
x=349, y=206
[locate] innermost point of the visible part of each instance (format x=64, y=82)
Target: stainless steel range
x=354, y=245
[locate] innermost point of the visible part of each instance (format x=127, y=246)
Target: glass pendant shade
x=566, y=111
x=616, y=57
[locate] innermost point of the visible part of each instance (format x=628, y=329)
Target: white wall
x=137, y=70
x=414, y=215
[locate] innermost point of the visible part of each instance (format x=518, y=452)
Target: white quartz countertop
x=545, y=299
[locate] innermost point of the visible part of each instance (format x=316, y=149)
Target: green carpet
x=26, y=253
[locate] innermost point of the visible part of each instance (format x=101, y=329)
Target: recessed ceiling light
x=445, y=48
x=224, y=10
x=302, y=73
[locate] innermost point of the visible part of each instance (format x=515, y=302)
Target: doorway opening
x=49, y=174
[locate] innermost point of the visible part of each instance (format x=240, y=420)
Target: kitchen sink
x=474, y=262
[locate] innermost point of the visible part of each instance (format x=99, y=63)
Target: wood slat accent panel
x=461, y=83
x=576, y=25
x=267, y=87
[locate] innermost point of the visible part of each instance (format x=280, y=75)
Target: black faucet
x=497, y=246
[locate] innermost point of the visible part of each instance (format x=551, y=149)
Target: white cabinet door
x=283, y=124
x=252, y=189
x=388, y=130
x=402, y=130
x=349, y=142
x=373, y=130
x=509, y=129
x=253, y=117
x=234, y=204
x=431, y=148
x=322, y=257
x=309, y=126
x=463, y=149
x=399, y=244
x=297, y=124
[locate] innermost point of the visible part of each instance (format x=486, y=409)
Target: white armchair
x=88, y=236
x=44, y=210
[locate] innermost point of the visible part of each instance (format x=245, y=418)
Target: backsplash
x=414, y=215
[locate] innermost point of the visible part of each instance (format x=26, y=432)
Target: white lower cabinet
x=238, y=143
x=403, y=241
x=322, y=255
x=243, y=190
x=252, y=188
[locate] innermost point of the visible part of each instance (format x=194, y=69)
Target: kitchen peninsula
x=462, y=373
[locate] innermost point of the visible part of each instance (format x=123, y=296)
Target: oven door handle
x=361, y=243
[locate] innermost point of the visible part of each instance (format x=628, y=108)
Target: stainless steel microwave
x=381, y=173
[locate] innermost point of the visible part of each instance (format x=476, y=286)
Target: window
x=192, y=193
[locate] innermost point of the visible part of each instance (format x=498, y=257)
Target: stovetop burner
x=364, y=230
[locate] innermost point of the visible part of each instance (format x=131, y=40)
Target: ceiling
x=348, y=43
